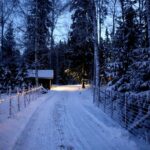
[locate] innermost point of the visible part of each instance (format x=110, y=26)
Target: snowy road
x=67, y=120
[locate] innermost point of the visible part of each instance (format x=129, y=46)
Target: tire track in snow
x=59, y=118
x=94, y=130
x=87, y=133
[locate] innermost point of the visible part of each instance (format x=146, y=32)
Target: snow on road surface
x=65, y=119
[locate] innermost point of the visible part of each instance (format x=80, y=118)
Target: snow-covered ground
x=64, y=119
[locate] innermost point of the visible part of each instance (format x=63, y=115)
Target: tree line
x=107, y=42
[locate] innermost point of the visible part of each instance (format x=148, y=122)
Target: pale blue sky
x=63, y=27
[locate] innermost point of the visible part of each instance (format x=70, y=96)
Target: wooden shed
x=45, y=77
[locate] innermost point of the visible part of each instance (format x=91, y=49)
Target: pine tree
x=37, y=34
x=12, y=58
x=80, y=40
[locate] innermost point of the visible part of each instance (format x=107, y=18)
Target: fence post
x=18, y=99
x=10, y=103
x=146, y=135
x=24, y=96
x=0, y=95
x=125, y=113
x=105, y=100
x=38, y=90
x=29, y=93
x=112, y=105
x=32, y=93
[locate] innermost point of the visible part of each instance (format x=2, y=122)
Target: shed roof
x=43, y=74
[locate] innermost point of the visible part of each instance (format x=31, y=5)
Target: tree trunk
x=83, y=84
x=36, y=58
x=148, y=19
x=96, y=56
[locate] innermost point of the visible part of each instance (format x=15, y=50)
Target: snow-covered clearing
x=64, y=119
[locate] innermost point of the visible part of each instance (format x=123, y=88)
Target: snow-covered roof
x=44, y=74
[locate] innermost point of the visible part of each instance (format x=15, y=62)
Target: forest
x=104, y=43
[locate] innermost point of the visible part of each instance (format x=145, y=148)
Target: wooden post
x=125, y=113
x=29, y=92
x=24, y=96
x=112, y=105
x=36, y=93
x=18, y=99
x=105, y=101
x=0, y=95
x=146, y=135
x=50, y=84
x=32, y=93
x=10, y=103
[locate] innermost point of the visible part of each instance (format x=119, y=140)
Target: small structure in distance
x=45, y=77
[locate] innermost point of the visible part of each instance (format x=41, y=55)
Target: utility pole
x=36, y=59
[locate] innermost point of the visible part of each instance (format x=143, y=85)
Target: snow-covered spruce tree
x=80, y=40
x=107, y=46
x=37, y=34
x=11, y=59
x=137, y=87
x=130, y=66
x=125, y=41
